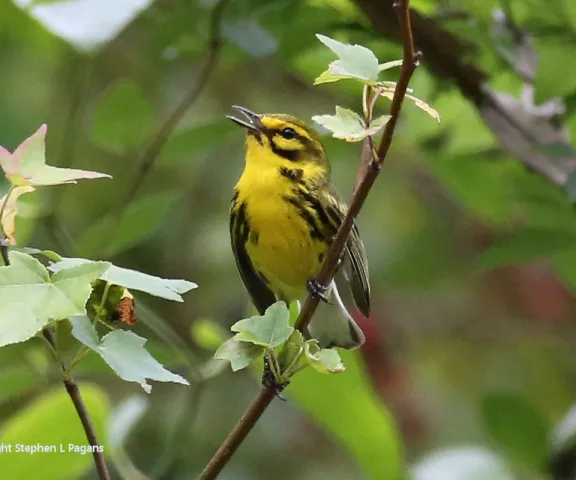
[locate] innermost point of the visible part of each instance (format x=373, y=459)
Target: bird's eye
x=288, y=133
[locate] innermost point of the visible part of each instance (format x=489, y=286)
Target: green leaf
x=349, y=411
x=294, y=310
x=108, y=309
x=553, y=52
x=123, y=118
x=139, y=221
x=485, y=188
x=517, y=427
x=292, y=354
x=468, y=134
x=542, y=204
x=134, y=280
x=207, y=334
x=268, y=330
x=239, y=354
x=526, y=245
x=354, y=61
x=325, y=360
x=29, y=298
x=565, y=266
x=49, y=254
x=348, y=125
x=125, y=353
x=183, y=144
x=51, y=420
x=27, y=165
x=250, y=36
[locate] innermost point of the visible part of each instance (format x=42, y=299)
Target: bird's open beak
x=252, y=125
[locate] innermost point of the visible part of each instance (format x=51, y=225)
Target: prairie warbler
x=284, y=215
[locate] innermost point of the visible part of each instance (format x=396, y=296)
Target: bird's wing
x=261, y=295
x=355, y=262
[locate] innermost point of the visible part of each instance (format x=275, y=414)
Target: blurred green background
x=470, y=231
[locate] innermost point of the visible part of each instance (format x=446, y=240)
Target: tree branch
x=71, y=387
x=519, y=130
x=67, y=379
x=259, y=405
x=151, y=153
x=409, y=64
x=74, y=393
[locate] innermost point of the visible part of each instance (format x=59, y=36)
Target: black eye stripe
x=292, y=155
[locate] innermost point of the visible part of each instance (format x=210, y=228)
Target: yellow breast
x=280, y=245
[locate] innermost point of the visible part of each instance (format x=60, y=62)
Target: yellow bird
x=284, y=215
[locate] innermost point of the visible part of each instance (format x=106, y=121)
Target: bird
x=284, y=215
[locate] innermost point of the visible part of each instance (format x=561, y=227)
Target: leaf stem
x=102, y=303
x=288, y=372
x=266, y=395
x=274, y=365
x=80, y=354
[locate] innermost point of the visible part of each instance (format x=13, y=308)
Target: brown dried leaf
x=389, y=93
x=125, y=309
x=10, y=210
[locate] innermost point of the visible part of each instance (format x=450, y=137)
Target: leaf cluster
x=83, y=292
x=271, y=336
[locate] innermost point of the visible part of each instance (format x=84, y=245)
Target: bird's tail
x=340, y=330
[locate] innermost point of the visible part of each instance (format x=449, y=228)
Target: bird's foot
x=317, y=290
x=269, y=379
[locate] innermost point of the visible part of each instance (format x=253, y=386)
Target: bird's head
x=280, y=135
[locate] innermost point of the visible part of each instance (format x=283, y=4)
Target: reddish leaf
x=27, y=165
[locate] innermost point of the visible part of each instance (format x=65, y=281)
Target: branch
x=520, y=132
x=69, y=383
x=409, y=64
x=71, y=388
x=74, y=393
x=266, y=395
x=151, y=154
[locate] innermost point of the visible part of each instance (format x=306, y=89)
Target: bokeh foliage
x=471, y=251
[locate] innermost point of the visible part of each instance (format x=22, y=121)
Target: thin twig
x=259, y=405
x=151, y=154
x=76, y=397
x=67, y=379
x=410, y=62
x=73, y=392
x=369, y=101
